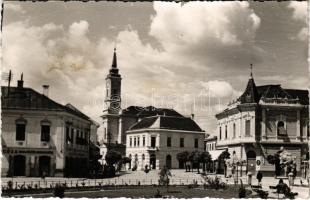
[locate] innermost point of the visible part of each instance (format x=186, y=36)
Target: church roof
x=29, y=99
x=142, y=112
x=167, y=122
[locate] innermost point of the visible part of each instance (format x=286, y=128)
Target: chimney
x=20, y=83
x=192, y=116
x=45, y=90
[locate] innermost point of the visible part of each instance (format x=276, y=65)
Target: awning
x=215, y=154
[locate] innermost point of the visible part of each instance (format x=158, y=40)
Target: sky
x=193, y=57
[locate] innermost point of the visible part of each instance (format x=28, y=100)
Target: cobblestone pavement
x=179, y=177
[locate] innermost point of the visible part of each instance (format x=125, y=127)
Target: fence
x=93, y=182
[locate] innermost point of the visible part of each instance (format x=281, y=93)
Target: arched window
x=226, y=132
x=281, y=128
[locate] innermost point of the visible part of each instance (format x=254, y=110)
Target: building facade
x=41, y=137
x=155, y=141
x=261, y=121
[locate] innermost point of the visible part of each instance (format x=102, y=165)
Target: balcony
x=152, y=148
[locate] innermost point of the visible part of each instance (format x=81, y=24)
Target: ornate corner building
x=261, y=121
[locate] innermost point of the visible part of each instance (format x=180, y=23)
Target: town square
x=155, y=100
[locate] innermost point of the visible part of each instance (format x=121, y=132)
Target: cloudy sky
x=192, y=57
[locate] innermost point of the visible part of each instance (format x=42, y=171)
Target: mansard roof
x=142, y=112
x=276, y=91
x=167, y=122
x=28, y=99
x=253, y=93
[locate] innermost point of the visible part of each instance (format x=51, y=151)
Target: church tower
x=112, y=108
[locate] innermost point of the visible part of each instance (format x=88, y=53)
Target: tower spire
x=251, y=70
x=114, y=62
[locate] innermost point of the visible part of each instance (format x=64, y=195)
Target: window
x=168, y=141
x=130, y=141
x=86, y=138
x=72, y=135
x=45, y=133
x=138, y=143
x=234, y=130
x=77, y=137
x=308, y=132
x=20, y=132
x=143, y=140
x=247, y=127
x=153, y=141
x=105, y=133
x=226, y=132
x=181, y=142
x=280, y=128
x=220, y=133
x=134, y=141
x=196, y=143
x=67, y=134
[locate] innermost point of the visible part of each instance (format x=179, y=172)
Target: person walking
x=259, y=178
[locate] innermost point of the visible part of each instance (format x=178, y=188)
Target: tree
x=126, y=160
x=183, y=157
x=222, y=157
x=112, y=157
x=205, y=157
x=194, y=158
x=94, y=155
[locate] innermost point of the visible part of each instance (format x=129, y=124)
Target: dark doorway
x=181, y=164
x=19, y=165
x=168, y=161
x=44, y=166
x=251, y=162
x=153, y=161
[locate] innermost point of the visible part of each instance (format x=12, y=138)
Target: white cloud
x=299, y=10
x=303, y=34
x=9, y=6
x=225, y=23
x=300, y=13
x=219, y=89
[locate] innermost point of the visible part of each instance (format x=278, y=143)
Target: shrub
x=10, y=185
x=109, y=171
x=158, y=195
x=59, y=191
x=214, y=183
x=242, y=191
x=262, y=194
